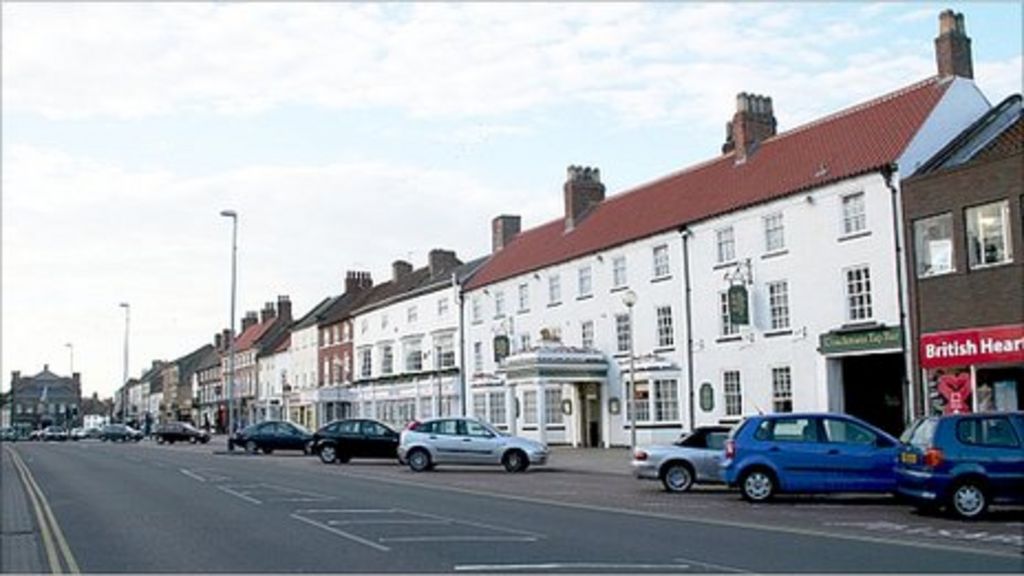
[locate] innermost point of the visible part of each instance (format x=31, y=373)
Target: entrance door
x=590, y=415
x=873, y=390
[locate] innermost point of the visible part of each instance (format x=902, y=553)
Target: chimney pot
x=753, y=122
x=357, y=281
x=953, y=46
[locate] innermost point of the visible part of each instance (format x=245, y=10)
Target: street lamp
x=629, y=299
x=231, y=332
x=124, y=388
x=71, y=351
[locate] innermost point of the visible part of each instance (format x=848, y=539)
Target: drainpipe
x=462, y=344
x=685, y=234
x=887, y=174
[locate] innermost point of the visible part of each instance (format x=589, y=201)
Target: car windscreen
x=920, y=436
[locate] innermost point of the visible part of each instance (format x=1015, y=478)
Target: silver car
x=696, y=457
x=459, y=440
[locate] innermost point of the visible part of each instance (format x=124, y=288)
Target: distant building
x=45, y=399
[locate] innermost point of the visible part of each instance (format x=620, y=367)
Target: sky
x=350, y=135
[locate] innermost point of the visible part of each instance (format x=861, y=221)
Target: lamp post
x=124, y=389
x=71, y=351
x=231, y=331
x=629, y=299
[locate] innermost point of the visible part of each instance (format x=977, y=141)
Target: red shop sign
x=975, y=346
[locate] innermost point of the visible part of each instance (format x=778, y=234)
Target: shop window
x=666, y=400
x=933, y=245
x=641, y=402
x=496, y=412
x=530, y=407
x=553, y=406
x=988, y=234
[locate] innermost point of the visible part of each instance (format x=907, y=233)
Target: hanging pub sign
x=500, y=348
x=739, y=305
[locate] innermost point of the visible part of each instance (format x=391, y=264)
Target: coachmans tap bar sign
x=875, y=339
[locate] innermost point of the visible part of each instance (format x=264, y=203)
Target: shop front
x=974, y=370
x=866, y=375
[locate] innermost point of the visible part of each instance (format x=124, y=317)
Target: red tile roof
x=252, y=335
x=851, y=142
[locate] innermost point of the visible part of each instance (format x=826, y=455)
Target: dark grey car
x=694, y=458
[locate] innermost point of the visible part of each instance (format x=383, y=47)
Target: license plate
x=908, y=458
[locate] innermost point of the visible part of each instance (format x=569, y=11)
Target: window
x=583, y=284
x=413, y=356
x=774, y=233
x=364, y=326
x=553, y=406
x=383, y=321
x=412, y=315
x=858, y=293
x=792, y=430
x=475, y=309
x=988, y=234
x=623, y=332
x=726, y=245
x=666, y=336
x=641, y=402
x=726, y=327
x=524, y=297
x=661, y=266
x=442, y=306
x=530, y=407
x=733, y=393
x=846, y=432
x=618, y=271
x=387, y=360
x=854, y=216
x=996, y=432
x=782, y=389
x=497, y=408
x=778, y=304
x=478, y=357
x=666, y=400
x=499, y=303
x=480, y=406
x=445, y=349
x=524, y=341
x=554, y=290
x=477, y=430
x=587, y=333
x=365, y=363
x=933, y=245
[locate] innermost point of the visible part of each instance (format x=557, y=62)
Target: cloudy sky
x=347, y=136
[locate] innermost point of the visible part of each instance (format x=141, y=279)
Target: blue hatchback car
x=963, y=462
x=810, y=453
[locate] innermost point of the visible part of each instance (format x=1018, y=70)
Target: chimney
x=503, y=229
x=46, y=367
x=754, y=122
x=442, y=262
x=15, y=377
x=953, y=47
x=400, y=269
x=267, y=313
x=250, y=320
x=357, y=281
x=218, y=341
x=284, y=308
x=226, y=339
x=582, y=191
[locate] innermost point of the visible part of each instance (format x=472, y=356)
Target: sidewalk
x=20, y=546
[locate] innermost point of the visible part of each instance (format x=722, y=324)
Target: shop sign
x=501, y=348
x=878, y=339
x=976, y=346
x=739, y=305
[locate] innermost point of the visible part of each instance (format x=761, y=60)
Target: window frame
x=733, y=398
x=584, y=281
x=662, y=263
x=782, y=389
x=725, y=245
x=1005, y=235
x=922, y=253
x=855, y=310
x=774, y=233
x=619, y=269
x=664, y=327
x=778, y=305
x=854, y=211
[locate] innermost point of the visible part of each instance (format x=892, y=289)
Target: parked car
x=120, y=433
x=54, y=434
x=172, y=432
x=342, y=440
x=696, y=457
x=963, y=462
x=8, y=434
x=77, y=434
x=460, y=440
x=812, y=453
x=272, y=435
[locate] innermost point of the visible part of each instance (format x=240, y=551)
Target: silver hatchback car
x=460, y=440
x=696, y=457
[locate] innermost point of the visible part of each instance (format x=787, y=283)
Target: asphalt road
x=147, y=508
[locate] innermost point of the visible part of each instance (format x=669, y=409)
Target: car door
x=860, y=459
x=480, y=444
x=991, y=442
x=379, y=441
x=794, y=446
x=290, y=437
x=447, y=442
x=349, y=438
x=708, y=460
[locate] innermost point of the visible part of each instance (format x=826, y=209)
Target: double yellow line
x=53, y=538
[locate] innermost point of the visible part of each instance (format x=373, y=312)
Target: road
x=139, y=508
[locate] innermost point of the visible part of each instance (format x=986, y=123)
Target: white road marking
x=714, y=567
x=468, y=538
x=192, y=475
x=239, y=494
x=533, y=535
x=385, y=521
x=300, y=499
x=343, y=511
x=342, y=533
x=566, y=566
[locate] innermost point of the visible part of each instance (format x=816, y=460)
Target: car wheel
x=192, y=440
x=251, y=447
x=328, y=454
x=307, y=448
x=419, y=460
x=515, y=461
x=159, y=439
x=757, y=485
x=677, y=477
x=968, y=500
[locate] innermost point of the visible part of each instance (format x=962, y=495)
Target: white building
x=302, y=366
x=802, y=223
x=273, y=372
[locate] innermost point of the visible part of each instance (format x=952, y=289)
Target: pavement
x=21, y=551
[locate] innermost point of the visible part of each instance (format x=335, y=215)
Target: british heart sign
x=974, y=346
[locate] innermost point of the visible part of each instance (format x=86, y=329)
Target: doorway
x=873, y=390
x=589, y=420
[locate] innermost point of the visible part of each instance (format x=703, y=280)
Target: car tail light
x=640, y=455
x=730, y=449
x=414, y=424
x=933, y=458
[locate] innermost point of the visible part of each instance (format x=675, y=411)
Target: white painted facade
x=421, y=334
x=302, y=376
x=273, y=372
